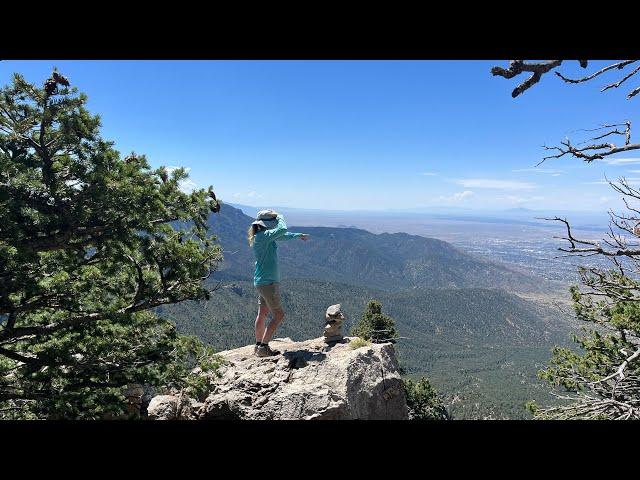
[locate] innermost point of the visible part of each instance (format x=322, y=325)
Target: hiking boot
x=265, y=351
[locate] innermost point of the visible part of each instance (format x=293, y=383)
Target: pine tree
x=89, y=245
x=374, y=325
x=602, y=379
x=423, y=401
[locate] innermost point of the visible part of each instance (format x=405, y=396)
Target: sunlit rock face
x=309, y=380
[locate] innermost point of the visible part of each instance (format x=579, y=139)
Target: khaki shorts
x=269, y=295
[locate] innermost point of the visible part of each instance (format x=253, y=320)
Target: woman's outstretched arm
x=292, y=235
x=279, y=232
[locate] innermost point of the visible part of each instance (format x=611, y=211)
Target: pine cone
x=50, y=86
x=60, y=79
x=215, y=208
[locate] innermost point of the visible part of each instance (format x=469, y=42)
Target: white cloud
x=620, y=161
x=495, y=184
x=457, y=197
x=251, y=194
x=172, y=168
x=187, y=186
x=429, y=174
x=462, y=195
x=629, y=180
x=549, y=171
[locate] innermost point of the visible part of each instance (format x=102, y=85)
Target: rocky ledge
x=309, y=380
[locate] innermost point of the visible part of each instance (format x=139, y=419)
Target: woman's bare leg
x=276, y=320
x=261, y=322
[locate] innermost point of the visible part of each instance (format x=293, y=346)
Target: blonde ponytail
x=253, y=229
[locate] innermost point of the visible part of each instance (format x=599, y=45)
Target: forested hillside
x=386, y=261
x=479, y=346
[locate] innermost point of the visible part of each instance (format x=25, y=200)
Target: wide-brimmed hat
x=266, y=218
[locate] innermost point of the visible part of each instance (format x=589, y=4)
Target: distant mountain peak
x=519, y=209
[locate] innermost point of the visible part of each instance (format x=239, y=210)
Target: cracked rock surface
x=307, y=380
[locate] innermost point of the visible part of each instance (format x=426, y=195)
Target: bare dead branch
x=620, y=82
x=620, y=370
x=619, y=66
x=594, y=151
x=516, y=67
x=633, y=93
x=538, y=69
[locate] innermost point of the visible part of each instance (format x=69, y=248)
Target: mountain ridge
x=357, y=256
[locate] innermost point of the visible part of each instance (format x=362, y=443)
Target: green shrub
x=358, y=343
x=423, y=401
x=374, y=325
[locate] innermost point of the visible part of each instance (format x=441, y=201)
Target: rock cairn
x=334, y=318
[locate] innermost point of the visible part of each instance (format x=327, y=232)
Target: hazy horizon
x=418, y=209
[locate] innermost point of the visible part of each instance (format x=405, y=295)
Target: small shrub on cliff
x=195, y=362
x=423, y=401
x=358, y=343
x=374, y=325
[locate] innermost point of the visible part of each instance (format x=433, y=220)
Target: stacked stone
x=333, y=326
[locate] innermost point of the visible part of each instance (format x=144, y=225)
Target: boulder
x=172, y=407
x=163, y=407
x=309, y=380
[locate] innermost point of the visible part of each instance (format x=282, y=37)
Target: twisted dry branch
x=516, y=67
x=538, y=69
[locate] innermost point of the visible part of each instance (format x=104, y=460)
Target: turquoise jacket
x=266, y=252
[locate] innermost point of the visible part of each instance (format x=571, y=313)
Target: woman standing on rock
x=263, y=234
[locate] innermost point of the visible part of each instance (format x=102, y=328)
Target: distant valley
x=464, y=321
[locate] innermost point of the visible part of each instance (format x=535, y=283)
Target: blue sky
x=354, y=134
